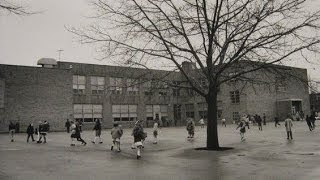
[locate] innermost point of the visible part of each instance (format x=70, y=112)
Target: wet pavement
x=265, y=154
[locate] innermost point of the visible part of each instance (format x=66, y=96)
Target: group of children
x=116, y=133
x=41, y=131
x=244, y=122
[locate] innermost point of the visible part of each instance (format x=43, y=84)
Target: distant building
x=85, y=92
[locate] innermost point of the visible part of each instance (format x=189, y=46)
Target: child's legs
x=133, y=146
x=72, y=140
x=155, y=138
x=139, y=151
x=118, y=145
x=192, y=134
x=95, y=136
x=81, y=140
x=11, y=134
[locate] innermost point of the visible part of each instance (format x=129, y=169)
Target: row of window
x=128, y=112
x=116, y=86
x=87, y=112
x=132, y=87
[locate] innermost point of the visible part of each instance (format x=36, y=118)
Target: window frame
x=76, y=85
x=132, y=86
x=115, y=85
x=235, y=116
x=88, y=113
x=235, y=97
x=190, y=110
x=99, y=88
x=125, y=113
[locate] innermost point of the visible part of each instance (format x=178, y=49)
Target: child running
x=242, y=127
x=12, y=128
x=97, y=132
x=116, y=134
x=190, y=128
x=155, y=132
x=138, y=136
x=75, y=134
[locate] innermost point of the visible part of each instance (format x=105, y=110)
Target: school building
x=56, y=91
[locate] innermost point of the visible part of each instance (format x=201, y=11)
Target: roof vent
x=47, y=62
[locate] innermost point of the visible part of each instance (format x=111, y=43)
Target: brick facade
x=30, y=94
x=34, y=94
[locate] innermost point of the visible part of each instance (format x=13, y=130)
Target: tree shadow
x=209, y=149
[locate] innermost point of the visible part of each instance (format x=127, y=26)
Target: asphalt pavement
x=265, y=154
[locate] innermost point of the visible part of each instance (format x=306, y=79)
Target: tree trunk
x=212, y=126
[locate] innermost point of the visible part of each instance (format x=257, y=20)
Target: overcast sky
x=24, y=40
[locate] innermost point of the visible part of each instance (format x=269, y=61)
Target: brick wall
x=35, y=94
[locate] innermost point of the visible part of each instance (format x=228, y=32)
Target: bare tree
x=215, y=35
x=13, y=8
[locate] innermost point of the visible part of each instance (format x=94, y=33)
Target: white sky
x=25, y=39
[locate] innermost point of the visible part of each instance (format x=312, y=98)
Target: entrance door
x=156, y=111
x=296, y=107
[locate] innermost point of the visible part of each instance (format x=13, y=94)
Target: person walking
x=17, y=127
x=67, y=125
x=155, y=133
x=276, y=121
x=43, y=129
x=30, y=132
x=138, y=136
x=264, y=119
x=201, y=123
x=12, y=130
x=313, y=120
x=78, y=134
x=40, y=127
x=116, y=133
x=73, y=135
x=144, y=136
x=79, y=124
x=259, y=121
x=245, y=119
x=309, y=122
x=302, y=115
x=242, y=127
x=190, y=128
x=288, y=124
x=157, y=120
x=223, y=120
x=97, y=131
x=252, y=119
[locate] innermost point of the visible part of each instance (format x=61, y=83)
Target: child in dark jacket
x=30, y=131
x=242, y=127
x=190, y=128
x=138, y=136
x=97, y=131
